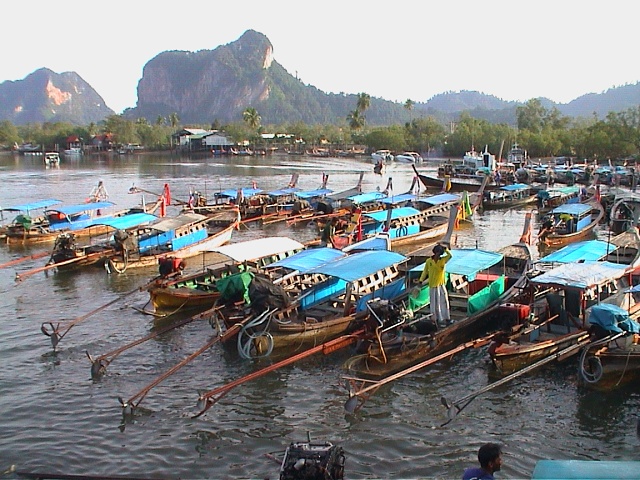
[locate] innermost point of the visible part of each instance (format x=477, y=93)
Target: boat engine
x=124, y=242
x=313, y=461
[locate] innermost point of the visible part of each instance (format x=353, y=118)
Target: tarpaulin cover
x=581, y=275
x=314, y=193
x=386, y=292
x=246, y=192
x=612, y=318
x=367, y=197
x=81, y=207
x=400, y=212
x=284, y=191
x=125, y=221
x=308, y=259
x=468, y=262
x=589, y=251
x=439, y=199
x=235, y=287
x=403, y=197
x=573, y=208
x=515, y=187
x=485, y=297
x=26, y=207
x=359, y=265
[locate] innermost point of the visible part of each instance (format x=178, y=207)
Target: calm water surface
x=55, y=419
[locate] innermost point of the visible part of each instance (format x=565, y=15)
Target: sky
x=395, y=50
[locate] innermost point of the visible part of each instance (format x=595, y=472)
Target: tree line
x=542, y=132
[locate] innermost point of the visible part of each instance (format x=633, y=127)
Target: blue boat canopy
x=581, y=275
x=585, y=469
x=125, y=221
x=439, y=199
x=284, y=191
x=367, y=197
x=359, y=265
x=308, y=259
x=515, y=187
x=314, y=193
x=246, y=192
x=26, y=207
x=400, y=212
x=588, y=250
x=401, y=198
x=573, y=208
x=468, y=262
x=81, y=207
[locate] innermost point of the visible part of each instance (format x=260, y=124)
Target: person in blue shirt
x=490, y=458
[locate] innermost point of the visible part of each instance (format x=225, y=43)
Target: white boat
x=409, y=157
x=381, y=156
x=480, y=160
x=73, y=152
x=52, y=159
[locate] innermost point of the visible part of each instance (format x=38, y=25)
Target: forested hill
x=208, y=85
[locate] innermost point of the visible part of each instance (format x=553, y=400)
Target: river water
x=55, y=419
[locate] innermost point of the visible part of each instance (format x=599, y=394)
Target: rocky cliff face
x=46, y=96
x=209, y=84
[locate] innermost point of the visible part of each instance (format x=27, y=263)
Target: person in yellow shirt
x=434, y=270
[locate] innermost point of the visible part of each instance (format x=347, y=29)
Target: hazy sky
x=515, y=50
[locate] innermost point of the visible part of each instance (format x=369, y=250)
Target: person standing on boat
x=434, y=270
x=490, y=458
x=328, y=232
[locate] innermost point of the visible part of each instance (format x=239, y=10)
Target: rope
x=246, y=339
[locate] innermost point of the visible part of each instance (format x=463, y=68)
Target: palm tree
x=174, y=119
x=364, y=102
x=356, y=120
x=408, y=105
x=252, y=118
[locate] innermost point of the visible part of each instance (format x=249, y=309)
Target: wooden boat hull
x=510, y=203
x=558, y=239
x=119, y=264
x=458, y=184
x=509, y=358
x=409, y=349
x=618, y=368
x=33, y=236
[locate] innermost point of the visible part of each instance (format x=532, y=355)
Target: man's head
x=438, y=250
x=490, y=457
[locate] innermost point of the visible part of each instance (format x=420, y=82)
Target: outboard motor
x=123, y=242
x=313, y=461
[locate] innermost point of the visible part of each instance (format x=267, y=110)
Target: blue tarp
x=400, y=212
x=612, y=318
x=401, y=198
x=585, y=470
x=589, y=251
x=125, y=221
x=81, y=207
x=468, y=262
x=439, y=199
x=26, y=207
x=367, y=197
x=284, y=191
x=246, y=192
x=581, y=275
x=308, y=259
x=516, y=187
x=314, y=193
x=573, y=208
x=359, y=265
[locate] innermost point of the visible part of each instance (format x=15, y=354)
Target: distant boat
x=52, y=159
x=72, y=152
x=409, y=157
x=381, y=156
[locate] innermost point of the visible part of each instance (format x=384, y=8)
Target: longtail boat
x=571, y=222
x=318, y=300
x=509, y=196
x=561, y=294
x=199, y=290
x=481, y=288
x=25, y=214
